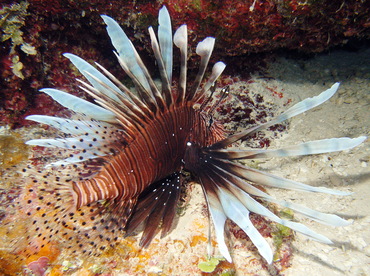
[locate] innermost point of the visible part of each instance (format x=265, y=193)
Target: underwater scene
x=184, y=137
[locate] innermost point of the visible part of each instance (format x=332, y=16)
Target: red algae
x=48, y=29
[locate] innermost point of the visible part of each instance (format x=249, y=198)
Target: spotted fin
x=71, y=126
x=90, y=139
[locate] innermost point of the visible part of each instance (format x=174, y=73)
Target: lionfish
x=134, y=149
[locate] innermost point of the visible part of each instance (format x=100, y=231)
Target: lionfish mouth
x=132, y=146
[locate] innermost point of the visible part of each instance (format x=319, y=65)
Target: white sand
x=346, y=114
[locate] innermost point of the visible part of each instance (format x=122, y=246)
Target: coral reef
x=36, y=33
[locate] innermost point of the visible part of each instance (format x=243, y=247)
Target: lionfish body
x=156, y=150
x=133, y=145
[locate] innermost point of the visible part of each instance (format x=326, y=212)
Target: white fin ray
x=204, y=50
x=217, y=70
x=320, y=217
x=166, y=85
x=180, y=39
x=121, y=108
x=165, y=40
x=47, y=143
x=295, y=110
x=324, y=218
x=125, y=50
x=137, y=104
x=236, y=205
x=255, y=207
x=79, y=105
x=238, y=213
x=307, y=148
x=145, y=95
x=126, y=92
x=267, y=179
x=219, y=218
x=154, y=91
x=67, y=144
x=92, y=75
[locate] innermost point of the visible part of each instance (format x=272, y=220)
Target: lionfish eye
x=210, y=122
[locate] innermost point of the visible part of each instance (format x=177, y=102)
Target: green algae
x=209, y=265
x=12, y=19
x=282, y=232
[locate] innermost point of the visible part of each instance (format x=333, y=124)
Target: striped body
x=156, y=150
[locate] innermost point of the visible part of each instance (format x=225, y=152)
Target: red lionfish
x=132, y=146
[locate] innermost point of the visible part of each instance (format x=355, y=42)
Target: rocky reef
x=34, y=34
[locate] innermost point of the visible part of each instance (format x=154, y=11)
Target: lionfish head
x=133, y=145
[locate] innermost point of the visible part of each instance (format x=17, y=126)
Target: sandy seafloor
x=346, y=114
